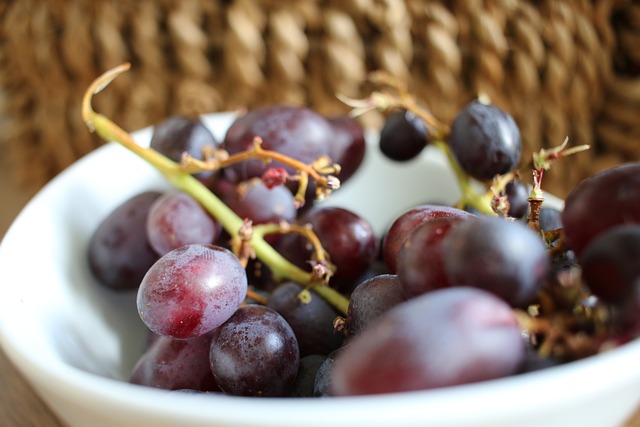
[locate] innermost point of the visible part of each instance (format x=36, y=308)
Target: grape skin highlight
x=442, y=338
x=191, y=290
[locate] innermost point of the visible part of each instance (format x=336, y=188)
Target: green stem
x=229, y=220
x=470, y=197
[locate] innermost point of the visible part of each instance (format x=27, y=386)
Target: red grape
x=175, y=364
x=347, y=148
x=370, y=299
x=610, y=262
x=442, y=338
x=498, y=255
x=191, y=290
x=348, y=238
x=609, y=198
x=419, y=263
x=119, y=251
x=178, y=135
x=405, y=223
x=297, y=132
x=177, y=219
x=253, y=200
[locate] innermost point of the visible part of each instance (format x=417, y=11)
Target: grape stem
x=177, y=177
x=470, y=197
x=438, y=132
x=325, y=184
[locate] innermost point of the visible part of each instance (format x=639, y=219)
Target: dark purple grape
x=504, y=257
x=174, y=364
x=419, y=263
x=534, y=362
x=485, y=140
x=119, y=252
x=296, y=132
x=322, y=382
x=609, y=198
x=191, y=290
x=443, y=338
x=370, y=299
x=403, y=136
x=626, y=319
x=306, y=377
x=348, y=238
x=177, y=219
x=611, y=262
x=517, y=194
x=347, y=147
x=255, y=353
x=178, y=135
x=253, y=200
x=550, y=219
x=312, y=321
x=406, y=222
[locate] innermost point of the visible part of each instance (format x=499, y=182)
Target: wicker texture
x=562, y=68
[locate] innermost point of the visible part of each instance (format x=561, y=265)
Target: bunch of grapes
x=250, y=286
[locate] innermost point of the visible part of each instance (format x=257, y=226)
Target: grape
x=174, y=364
x=609, y=198
x=191, y=290
x=485, y=140
x=419, y=263
x=533, y=361
x=177, y=219
x=296, y=132
x=370, y=299
x=119, y=252
x=322, y=382
x=347, y=148
x=518, y=196
x=305, y=379
x=255, y=353
x=627, y=322
x=501, y=256
x=403, y=136
x=312, y=321
x=178, y=135
x=348, y=238
x=443, y=338
x=550, y=219
x=610, y=262
x=406, y=222
x=253, y=200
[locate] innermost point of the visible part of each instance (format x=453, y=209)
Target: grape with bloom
x=444, y=297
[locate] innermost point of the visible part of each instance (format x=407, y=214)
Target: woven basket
x=561, y=68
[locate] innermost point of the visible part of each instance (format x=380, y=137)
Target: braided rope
x=567, y=68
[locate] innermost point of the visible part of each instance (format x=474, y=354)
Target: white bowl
x=76, y=341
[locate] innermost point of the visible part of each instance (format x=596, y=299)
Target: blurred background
x=561, y=68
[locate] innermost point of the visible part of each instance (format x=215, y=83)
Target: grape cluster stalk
x=181, y=177
x=497, y=285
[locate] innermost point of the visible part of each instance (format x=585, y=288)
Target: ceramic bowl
x=76, y=342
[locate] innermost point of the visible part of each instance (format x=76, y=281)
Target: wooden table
x=19, y=405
